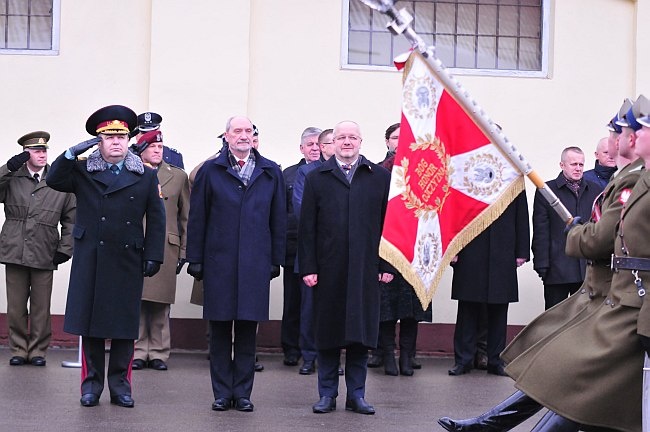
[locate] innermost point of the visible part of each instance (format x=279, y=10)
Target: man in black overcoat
x=485, y=276
x=343, y=208
x=112, y=249
x=562, y=275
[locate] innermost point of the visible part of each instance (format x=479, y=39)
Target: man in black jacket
x=562, y=275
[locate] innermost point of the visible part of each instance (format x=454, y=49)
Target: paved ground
x=47, y=399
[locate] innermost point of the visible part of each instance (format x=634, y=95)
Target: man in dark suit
x=292, y=298
x=485, y=276
x=235, y=244
x=112, y=250
x=343, y=209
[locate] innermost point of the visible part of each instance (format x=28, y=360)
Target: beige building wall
x=201, y=61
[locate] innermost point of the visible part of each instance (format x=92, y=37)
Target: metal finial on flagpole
x=401, y=24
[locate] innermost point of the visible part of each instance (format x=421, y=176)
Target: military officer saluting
x=150, y=121
x=32, y=246
x=113, y=250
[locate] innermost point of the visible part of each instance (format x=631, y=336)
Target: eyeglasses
x=352, y=138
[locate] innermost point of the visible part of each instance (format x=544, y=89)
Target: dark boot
x=408, y=332
x=553, y=422
x=387, y=339
x=405, y=367
x=517, y=408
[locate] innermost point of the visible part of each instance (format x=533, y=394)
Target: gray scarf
x=132, y=163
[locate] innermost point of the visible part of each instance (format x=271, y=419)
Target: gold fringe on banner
x=425, y=293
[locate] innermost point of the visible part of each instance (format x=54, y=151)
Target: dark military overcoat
x=110, y=242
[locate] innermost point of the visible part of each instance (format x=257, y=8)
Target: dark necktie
x=36, y=177
x=241, y=163
x=346, y=168
x=115, y=169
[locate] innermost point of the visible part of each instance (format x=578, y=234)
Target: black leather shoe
x=158, y=365
x=221, y=404
x=415, y=364
x=123, y=400
x=38, y=361
x=138, y=364
x=459, y=370
x=360, y=406
x=496, y=370
x=17, y=361
x=291, y=359
x=89, y=400
x=259, y=367
x=341, y=372
x=481, y=361
x=245, y=405
x=324, y=405
x=308, y=367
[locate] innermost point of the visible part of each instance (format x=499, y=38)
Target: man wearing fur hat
x=32, y=246
x=113, y=250
x=153, y=346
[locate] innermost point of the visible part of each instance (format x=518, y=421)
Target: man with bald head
x=341, y=219
x=236, y=242
x=605, y=165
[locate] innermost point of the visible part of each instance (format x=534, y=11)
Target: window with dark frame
x=26, y=25
x=469, y=34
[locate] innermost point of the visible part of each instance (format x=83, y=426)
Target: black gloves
x=83, y=146
x=60, y=258
x=195, y=270
x=645, y=343
x=150, y=268
x=180, y=264
x=275, y=271
x=542, y=272
x=576, y=221
x=17, y=161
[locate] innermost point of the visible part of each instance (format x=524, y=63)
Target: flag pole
x=401, y=24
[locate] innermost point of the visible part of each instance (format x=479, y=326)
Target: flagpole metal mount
x=401, y=24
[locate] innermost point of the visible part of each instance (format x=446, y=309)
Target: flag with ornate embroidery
x=448, y=183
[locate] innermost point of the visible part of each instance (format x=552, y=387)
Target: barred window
x=474, y=35
x=29, y=26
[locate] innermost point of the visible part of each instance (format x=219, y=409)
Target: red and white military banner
x=448, y=184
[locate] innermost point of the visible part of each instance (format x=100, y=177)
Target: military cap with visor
x=639, y=108
x=34, y=140
x=111, y=120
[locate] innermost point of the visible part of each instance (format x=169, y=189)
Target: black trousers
x=290, y=328
x=119, y=366
x=356, y=369
x=232, y=358
x=554, y=294
x=466, y=333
